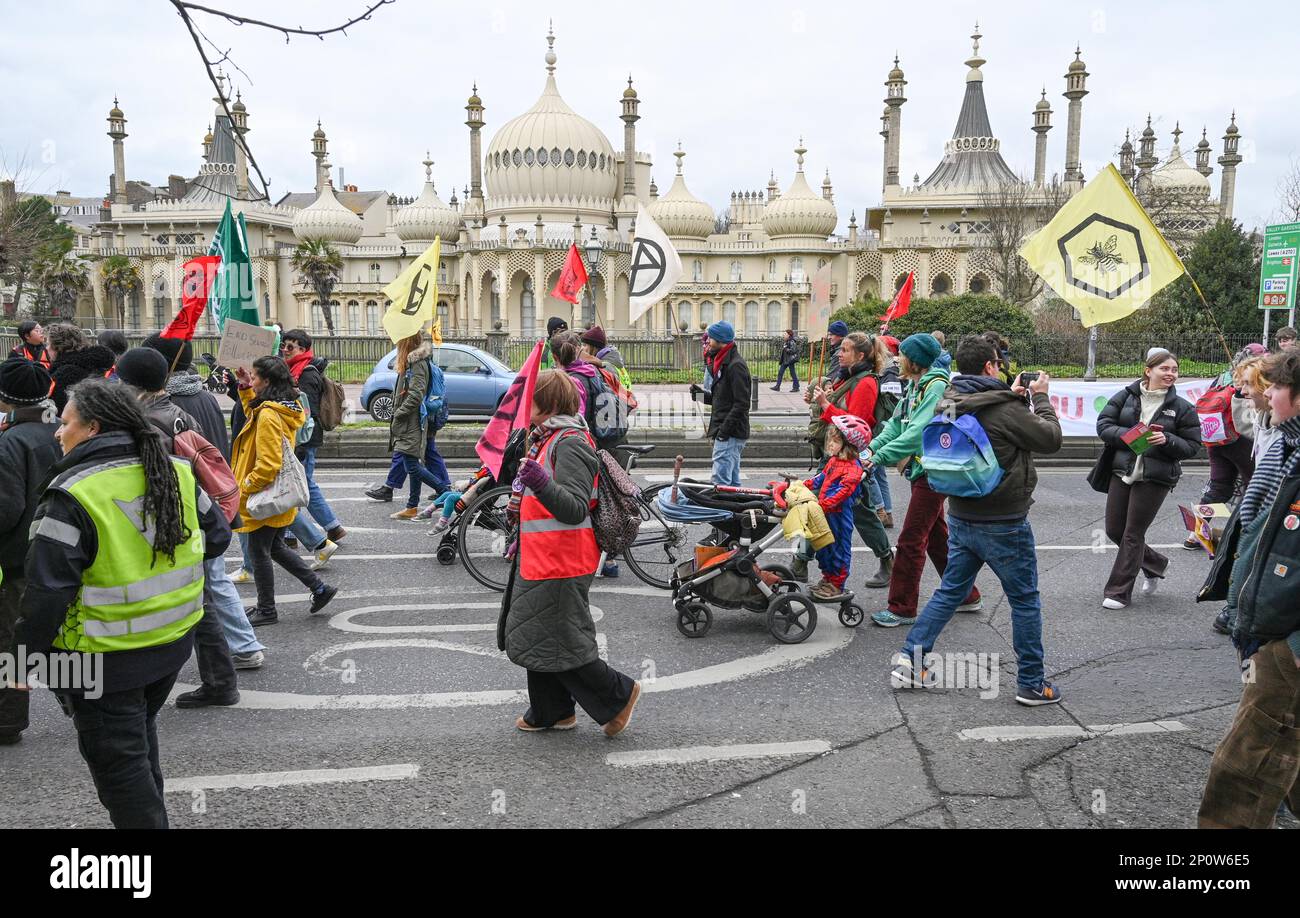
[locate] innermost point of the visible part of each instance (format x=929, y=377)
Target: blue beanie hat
x=922, y=349
x=838, y=328
x=722, y=331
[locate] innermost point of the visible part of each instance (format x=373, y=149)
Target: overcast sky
x=736, y=82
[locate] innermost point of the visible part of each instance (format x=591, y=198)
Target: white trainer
x=1149, y=585
x=1113, y=604
x=323, y=556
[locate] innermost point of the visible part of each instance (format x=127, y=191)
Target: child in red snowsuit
x=836, y=487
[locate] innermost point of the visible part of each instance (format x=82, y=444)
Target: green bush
x=955, y=316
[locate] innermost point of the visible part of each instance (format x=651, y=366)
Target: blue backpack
x=434, y=408
x=958, y=458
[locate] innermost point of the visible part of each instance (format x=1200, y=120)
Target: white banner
x=1077, y=403
x=655, y=266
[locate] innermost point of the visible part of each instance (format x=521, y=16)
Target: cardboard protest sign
x=242, y=343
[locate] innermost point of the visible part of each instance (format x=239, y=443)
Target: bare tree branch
x=1013, y=211
x=1288, y=192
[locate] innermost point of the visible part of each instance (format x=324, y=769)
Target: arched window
x=444, y=315
x=684, y=314
x=496, y=300
x=979, y=284
x=354, y=317
x=527, y=309
x=751, y=318
x=317, y=317
x=372, y=317
x=821, y=263
x=771, y=269
x=735, y=272
x=374, y=272
x=697, y=270
x=588, y=306
x=133, y=309
x=899, y=281
x=794, y=315
x=941, y=285
x=442, y=272
x=773, y=317
x=160, y=311
x=729, y=313
x=706, y=313
x=796, y=270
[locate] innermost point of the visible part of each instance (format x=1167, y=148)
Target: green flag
x=232, y=292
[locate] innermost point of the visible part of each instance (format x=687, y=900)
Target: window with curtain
x=751, y=318
x=796, y=271
x=794, y=315
x=317, y=317
x=160, y=312
x=729, y=313
x=374, y=272
x=444, y=315
x=774, y=318
x=684, y=313
x=372, y=317
x=706, y=313
x=354, y=317
x=697, y=270
x=735, y=272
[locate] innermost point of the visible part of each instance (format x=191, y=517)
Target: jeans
x=794, y=377
x=1130, y=511
x=247, y=563
x=318, y=507
x=118, y=737
x=309, y=534
x=417, y=475
x=726, y=461
x=601, y=690
x=878, y=488
x=924, y=532
x=432, y=461
x=267, y=545
x=1007, y=547
x=216, y=669
x=219, y=593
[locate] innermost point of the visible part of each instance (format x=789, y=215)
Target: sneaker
x=609, y=570
x=886, y=619
x=567, y=724
x=336, y=534
x=1109, y=603
x=381, y=493
x=904, y=674
x=259, y=617
x=242, y=577
x=886, y=518
x=1192, y=543
x=427, y=511
x=1223, y=622
x=1150, y=585
x=1046, y=693
x=323, y=556
x=203, y=697
x=976, y=606
x=443, y=522
x=321, y=598
x=409, y=513
x=252, y=660
x=619, y=723
x=799, y=567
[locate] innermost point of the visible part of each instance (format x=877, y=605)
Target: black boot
x=382, y=493
x=203, y=697
x=881, y=577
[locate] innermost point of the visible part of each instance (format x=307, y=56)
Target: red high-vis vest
x=548, y=548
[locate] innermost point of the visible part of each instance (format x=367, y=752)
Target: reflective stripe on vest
x=550, y=549
x=129, y=599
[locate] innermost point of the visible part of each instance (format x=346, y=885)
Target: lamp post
x=594, y=251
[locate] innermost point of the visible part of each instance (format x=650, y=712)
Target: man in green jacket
x=899, y=443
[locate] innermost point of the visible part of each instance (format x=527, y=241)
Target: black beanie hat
x=553, y=324
x=144, y=368
x=169, y=348
x=23, y=382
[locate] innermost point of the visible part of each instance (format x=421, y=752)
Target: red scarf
x=715, y=361
x=298, y=362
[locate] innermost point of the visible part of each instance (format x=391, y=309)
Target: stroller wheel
x=447, y=553
x=851, y=615
x=694, y=619
x=791, y=617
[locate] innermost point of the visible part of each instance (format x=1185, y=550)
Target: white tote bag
x=287, y=492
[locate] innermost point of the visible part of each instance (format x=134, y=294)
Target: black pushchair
x=481, y=481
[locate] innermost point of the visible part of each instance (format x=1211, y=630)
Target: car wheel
x=381, y=406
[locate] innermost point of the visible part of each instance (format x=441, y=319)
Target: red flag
x=572, y=278
x=196, y=280
x=513, y=413
x=902, y=300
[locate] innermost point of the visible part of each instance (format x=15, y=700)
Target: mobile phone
x=1028, y=376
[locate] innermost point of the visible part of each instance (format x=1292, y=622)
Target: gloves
x=533, y=475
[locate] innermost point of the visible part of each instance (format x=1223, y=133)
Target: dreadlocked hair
x=112, y=406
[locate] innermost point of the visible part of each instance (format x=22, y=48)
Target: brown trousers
x=1257, y=765
x=1130, y=511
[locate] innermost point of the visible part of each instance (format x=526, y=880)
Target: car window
x=455, y=361
x=497, y=365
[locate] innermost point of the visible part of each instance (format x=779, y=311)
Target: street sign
x=1277, y=268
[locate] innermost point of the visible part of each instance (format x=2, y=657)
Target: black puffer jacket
x=71, y=368
x=729, y=399
x=1160, y=464
x=28, y=451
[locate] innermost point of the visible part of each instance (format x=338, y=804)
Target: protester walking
x=899, y=442
x=993, y=529
x=308, y=372
x=545, y=624
x=789, y=360
x=28, y=450
x=554, y=326
x=1137, y=484
x=271, y=404
x=729, y=400
x=115, y=568
x=412, y=427
x=72, y=359
x=31, y=343
x=1256, y=767
x=836, y=487
x=601, y=354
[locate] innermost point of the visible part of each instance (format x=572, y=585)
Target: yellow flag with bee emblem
x=1101, y=253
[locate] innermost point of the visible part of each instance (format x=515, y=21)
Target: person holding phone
x=1140, y=482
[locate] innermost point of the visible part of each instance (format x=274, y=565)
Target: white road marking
x=316, y=662
x=343, y=621
x=292, y=778
x=693, y=754
x=1012, y=733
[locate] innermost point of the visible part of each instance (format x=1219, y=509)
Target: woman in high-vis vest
x=115, y=588
x=545, y=624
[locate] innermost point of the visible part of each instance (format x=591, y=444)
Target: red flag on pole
x=197, y=276
x=572, y=278
x=902, y=301
x=513, y=413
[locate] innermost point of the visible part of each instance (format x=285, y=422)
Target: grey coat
x=545, y=625
x=406, y=433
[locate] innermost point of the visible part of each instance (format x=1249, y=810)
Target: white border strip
x=1013, y=733
x=292, y=778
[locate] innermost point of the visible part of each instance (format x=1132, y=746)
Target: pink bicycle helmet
x=856, y=432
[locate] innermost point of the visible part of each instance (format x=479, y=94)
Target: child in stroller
x=450, y=504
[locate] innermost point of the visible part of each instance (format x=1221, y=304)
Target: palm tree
x=120, y=279
x=320, y=266
x=62, y=281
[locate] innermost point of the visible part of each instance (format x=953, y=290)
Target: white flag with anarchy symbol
x=655, y=266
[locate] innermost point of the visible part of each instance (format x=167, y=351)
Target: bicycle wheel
x=662, y=544
x=484, y=534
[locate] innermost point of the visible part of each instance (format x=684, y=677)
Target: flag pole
x=1218, y=330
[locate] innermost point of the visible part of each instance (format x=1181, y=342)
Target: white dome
x=550, y=157
x=327, y=219
x=427, y=218
x=800, y=211
x=681, y=214
x=1174, y=174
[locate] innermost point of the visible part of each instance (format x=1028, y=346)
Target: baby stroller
x=480, y=482
x=726, y=573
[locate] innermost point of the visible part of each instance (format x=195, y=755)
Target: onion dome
x=239, y=105
x=679, y=213
x=327, y=219
x=897, y=72
x=1232, y=130
x=427, y=218
x=1043, y=105
x=1175, y=174
x=473, y=98
x=318, y=134
x=629, y=93
x=115, y=112
x=800, y=211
